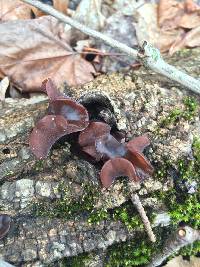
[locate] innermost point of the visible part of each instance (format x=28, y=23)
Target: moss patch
x=188, y=112
x=132, y=253
x=67, y=207
x=77, y=261
x=182, y=207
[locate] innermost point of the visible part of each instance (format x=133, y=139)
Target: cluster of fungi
x=66, y=116
x=120, y=158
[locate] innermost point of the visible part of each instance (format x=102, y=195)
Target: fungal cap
x=134, y=154
x=108, y=146
x=88, y=137
x=139, y=143
x=46, y=132
x=73, y=112
x=51, y=90
x=117, y=167
x=92, y=133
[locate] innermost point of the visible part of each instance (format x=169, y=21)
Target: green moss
x=77, y=261
x=39, y=165
x=133, y=253
x=126, y=213
x=97, y=216
x=66, y=206
x=196, y=150
x=137, y=251
x=182, y=206
x=191, y=108
x=128, y=216
x=187, y=113
x=190, y=250
x=173, y=116
x=187, y=212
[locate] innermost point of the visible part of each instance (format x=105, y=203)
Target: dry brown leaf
x=14, y=9
x=190, y=21
x=191, y=6
x=33, y=50
x=61, y=5
x=169, y=13
x=190, y=39
x=173, y=14
x=147, y=29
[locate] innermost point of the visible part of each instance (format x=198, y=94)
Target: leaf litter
x=45, y=48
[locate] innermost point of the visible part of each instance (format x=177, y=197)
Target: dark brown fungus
x=46, y=132
x=88, y=137
x=97, y=141
x=5, y=221
x=73, y=112
x=139, y=143
x=139, y=161
x=134, y=153
x=110, y=147
x=50, y=89
x=65, y=116
x=117, y=167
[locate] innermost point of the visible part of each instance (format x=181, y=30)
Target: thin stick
x=180, y=238
x=137, y=203
x=150, y=56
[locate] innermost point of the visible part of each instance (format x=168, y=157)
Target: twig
x=137, y=203
x=182, y=237
x=150, y=56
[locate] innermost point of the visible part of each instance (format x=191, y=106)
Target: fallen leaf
x=147, y=29
x=190, y=39
x=169, y=13
x=191, y=6
x=173, y=14
x=13, y=10
x=33, y=50
x=190, y=21
x=61, y=5
x=3, y=88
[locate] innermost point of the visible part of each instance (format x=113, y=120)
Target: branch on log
x=182, y=237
